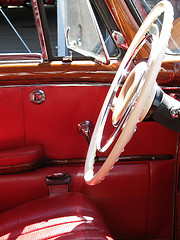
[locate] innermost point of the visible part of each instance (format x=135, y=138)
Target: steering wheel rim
x=143, y=100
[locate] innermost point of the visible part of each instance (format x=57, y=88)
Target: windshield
x=145, y=6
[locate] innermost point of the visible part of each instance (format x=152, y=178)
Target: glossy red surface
x=11, y=121
x=22, y=155
x=54, y=124
x=12, y=2
x=23, y=122
x=77, y=218
x=136, y=198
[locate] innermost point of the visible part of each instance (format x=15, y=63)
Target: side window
x=74, y=28
x=18, y=31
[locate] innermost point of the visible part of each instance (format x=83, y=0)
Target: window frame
x=44, y=35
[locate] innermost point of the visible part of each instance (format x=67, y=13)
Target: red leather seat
x=60, y=216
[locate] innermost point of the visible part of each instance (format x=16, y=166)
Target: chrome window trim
x=83, y=84
x=40, y=30
x=60, y=85
x=21, y=57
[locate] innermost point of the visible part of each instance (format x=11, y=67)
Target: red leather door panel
x=136, y=198
x=54, y=122
x=11, y=118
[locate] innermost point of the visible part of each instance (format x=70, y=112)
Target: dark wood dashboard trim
x=57, y=72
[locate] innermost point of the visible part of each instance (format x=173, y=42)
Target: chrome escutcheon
x=37, y=96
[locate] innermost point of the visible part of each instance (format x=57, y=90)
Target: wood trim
x=126, y=23
x=57, y=72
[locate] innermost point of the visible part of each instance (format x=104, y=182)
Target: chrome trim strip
x=21, y=57
x=170, y=88
x=83, y=84
x=174, y=92
x=61, y=85
x=39, y=28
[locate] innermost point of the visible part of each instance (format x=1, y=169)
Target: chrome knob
x=175, y=113
x=85, y=128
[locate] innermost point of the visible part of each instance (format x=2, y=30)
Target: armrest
x=21, y=159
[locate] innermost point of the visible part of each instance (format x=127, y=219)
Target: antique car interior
x=90, y=120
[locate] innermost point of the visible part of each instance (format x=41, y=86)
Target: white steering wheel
x=136, y=95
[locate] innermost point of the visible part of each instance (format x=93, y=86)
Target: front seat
x=63, y=216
